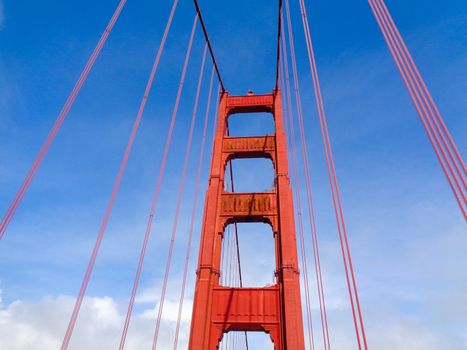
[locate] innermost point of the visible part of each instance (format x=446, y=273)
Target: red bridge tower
x=274, y=309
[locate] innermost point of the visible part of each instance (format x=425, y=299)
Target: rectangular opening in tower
x=251, y=124
x=256, y=254
x=239, y=341
x=250, y=175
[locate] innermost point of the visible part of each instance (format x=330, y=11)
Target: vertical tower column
x=275, y=309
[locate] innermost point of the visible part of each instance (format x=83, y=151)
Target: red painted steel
x=276, y=309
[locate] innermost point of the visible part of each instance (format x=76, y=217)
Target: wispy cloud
x=22, y=327
x=100, y=324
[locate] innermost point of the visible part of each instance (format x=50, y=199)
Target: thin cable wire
x=148, y=230
x=313, y=229
x=226, y=246
x=419, y=97
x=232, y=277
x=103, y=227
x=348, y=265
x=182, y=182
x=232, y=189
x=440, y=138
x=439, y=122
x=296, y=184
x=193, y=212
x=58, y=123
x=314, y=233
x=237, y=244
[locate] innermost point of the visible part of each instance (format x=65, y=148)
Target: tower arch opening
x=251, y=124
x=250, y=175
x=256, y=341
x=256, y=253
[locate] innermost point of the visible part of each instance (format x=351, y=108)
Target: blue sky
x=407, y=235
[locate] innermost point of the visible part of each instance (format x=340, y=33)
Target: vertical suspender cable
x=237, y=245
x=414, y=82
x=232, y=276
x=148, y=231
x=182, y=181
x=232, y=189
x=445, y=149
x=193, y=212
x=395, y=38
x=113, y=196
x=296, y=182
x=348, y=265
x=225, y=270
x=226, y=249
x=313, y=229
x=58, y=123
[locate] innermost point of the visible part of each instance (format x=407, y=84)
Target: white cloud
x=40, y=325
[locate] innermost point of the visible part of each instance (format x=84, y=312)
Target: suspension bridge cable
x=226, y=257
x=287, y=106
x=58, y=123
x=114, y=193
x=232, y=265
x=312, y=223
x=148, y=231
x=420, y=84
x=228, y=266
x=232, y=189
x=182, y=181
x=445, y=149
x=206, y=37
x=347, y=259
x=193, y=211
x=313, y=229
x=420, y=98
x=278, y=52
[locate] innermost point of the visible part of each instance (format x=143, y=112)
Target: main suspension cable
x=278, y=52
x=193, y=211
x=58, y=123
x=347, y=259
x=206, y=37
x=182, y=181
x=116, y=187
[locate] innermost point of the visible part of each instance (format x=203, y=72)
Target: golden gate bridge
x=277, y=309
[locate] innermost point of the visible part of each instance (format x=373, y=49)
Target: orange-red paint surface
x=275, y=309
